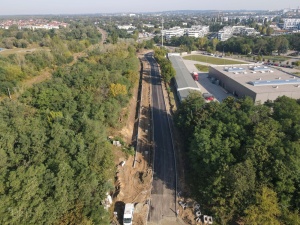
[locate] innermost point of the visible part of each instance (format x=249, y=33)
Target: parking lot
x=205, y=85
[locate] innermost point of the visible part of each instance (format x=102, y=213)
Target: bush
x=297, y=63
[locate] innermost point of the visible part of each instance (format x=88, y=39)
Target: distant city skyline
x=32, y=7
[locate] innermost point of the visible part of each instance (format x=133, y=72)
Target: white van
x=128, y=214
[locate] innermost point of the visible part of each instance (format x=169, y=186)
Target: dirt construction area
x=134, y=176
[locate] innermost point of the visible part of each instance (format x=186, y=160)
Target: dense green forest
x=55, y=160
x=244, y=158
x=261, y=45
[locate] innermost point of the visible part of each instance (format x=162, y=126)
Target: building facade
x=291, y=23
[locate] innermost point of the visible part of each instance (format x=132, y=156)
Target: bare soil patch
x=133, y=183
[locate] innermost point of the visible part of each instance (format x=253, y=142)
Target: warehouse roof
x=274, y=82
x=184, y=80
x=183, y=77
x=269, y=80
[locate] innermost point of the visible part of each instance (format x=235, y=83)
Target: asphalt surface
x=163, y=190
x=205, y=85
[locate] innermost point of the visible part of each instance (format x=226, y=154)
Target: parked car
x=208, y=97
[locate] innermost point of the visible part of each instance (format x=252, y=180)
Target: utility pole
x=8, y=93
x=162, y=35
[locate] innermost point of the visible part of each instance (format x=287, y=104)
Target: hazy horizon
x=37, y=7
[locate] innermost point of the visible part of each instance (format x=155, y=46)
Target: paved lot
x=288, y=70
x=205, y=84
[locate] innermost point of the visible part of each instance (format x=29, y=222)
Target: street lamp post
x=223, y=57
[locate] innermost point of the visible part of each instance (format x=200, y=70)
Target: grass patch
x=278, y=58
x=212, y=60
x=171, y=91
x=21, y=51
x=202, y=68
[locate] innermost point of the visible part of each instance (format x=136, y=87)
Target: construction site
x=134, y=176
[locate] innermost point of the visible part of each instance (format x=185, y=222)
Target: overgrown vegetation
x=244, y=45
x=202, y=68
x=244, y=158
x=56, y=48
x=212, y=60
x=167, y=70
x=55, y=160
x=260, y=45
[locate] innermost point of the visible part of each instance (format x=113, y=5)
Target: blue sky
x=17, y=7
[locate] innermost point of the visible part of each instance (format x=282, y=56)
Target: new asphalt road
x=163, y=191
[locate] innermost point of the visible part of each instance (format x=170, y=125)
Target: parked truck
x=195, y=76
x=128, y=214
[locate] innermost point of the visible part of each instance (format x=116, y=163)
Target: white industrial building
x=259, y=82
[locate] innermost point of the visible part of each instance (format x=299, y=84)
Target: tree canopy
x=56, y=163
x=243, y=157
x=167, y=70
x=261, y=45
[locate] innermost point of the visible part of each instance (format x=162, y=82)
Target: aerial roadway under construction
x=163, y=195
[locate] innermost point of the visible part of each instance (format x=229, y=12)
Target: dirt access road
x=134, y=179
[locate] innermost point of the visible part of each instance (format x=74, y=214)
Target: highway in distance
x=163, y=191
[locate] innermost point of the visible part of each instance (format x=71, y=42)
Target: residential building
x=126, y=27
x=237, y=29
x=249, y=31
x=197, y=31
x=291, y=23
x=194, y=31
x=225, y=33
x=148, y=25
x=173, y=32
